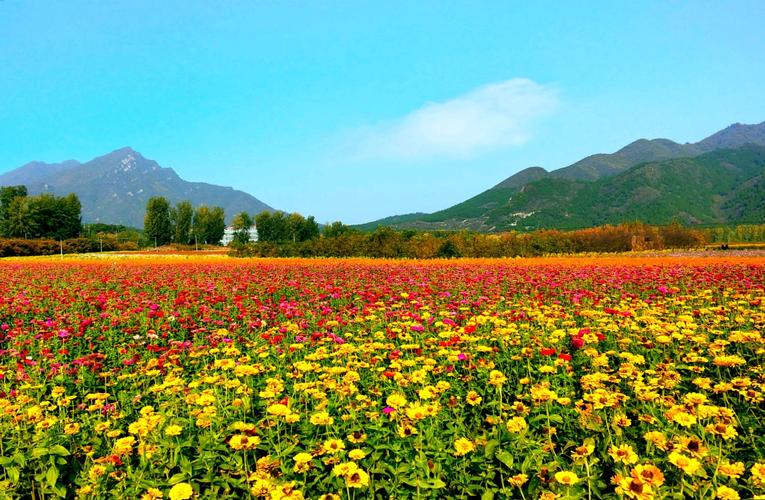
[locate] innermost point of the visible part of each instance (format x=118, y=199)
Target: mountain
x=529, y=198
x=114, y=188
x=736, y=135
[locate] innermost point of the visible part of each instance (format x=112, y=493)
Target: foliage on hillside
x=721, y=187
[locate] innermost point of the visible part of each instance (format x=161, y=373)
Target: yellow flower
x=656, y=438
x=726, y=493
x=518, y=480
x=356, y=454
x=758, y=474
x=725, y=431
x=173, y=430
x=405, y=430
x=684, y=419
x=123, y=446
x=649, y=474
x=322, y=418
x=261, y=487
x=278, y=409
x=396, y=400
x=583, y=451
x=497, y=378
x=102, y=426
x=71, y=429
x=344, y=469
x=357, y=437
x=516, y=424
x=463, y=446
x=632, y=487
x=152, y=494
x=473, y=398
x=357, y=479
x=238, y=442
x=688, y=465
x=302, y=462
x=733, y=470
x=286, y=492
x=181, y=491
x=623, y=454
x=416, y=411
x=333, y=446
x=566, y=477
x=96, y=472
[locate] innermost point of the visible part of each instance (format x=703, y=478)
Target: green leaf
x=558, y=419
x=19, y=459
x=51, y=476
x=59, y=450
x=490, y=447
x=6, y=460
x=178, y=478
x=39, y=452
x=505, y=457
x=487, y=495
x=13, y=474
x=186, y=466
x=430, y=484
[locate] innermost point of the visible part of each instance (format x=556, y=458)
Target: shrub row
x=24, y=247
x=389, y=243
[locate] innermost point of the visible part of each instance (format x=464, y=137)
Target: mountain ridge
x=115, y=187
x=559, y=183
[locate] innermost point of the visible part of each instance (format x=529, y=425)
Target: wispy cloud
x=489, y=117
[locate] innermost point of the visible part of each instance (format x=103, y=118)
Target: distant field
x=178, y=376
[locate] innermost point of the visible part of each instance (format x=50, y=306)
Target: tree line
x=339, y=240
x=182, y=223
x=40, y=216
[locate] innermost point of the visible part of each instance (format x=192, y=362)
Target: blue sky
x=357, y=110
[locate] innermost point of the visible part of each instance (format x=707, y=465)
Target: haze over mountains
x=720, y=179
x=114, y=188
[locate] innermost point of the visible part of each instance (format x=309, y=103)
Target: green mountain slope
x=722, y=186
x=510, y=203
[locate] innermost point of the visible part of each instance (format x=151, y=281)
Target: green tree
x=209, y=224
x=273, y=227
x=265, y=227
x=448, y=250
x=18, y=221
x=7, y=195
x=310, y=229
x=242, y=223
x=181, y=216
x=280, y=227
x=336, y=229
x=55, y=217
x=71, y=210
x=156, y=223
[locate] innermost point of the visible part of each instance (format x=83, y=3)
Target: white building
x=228, y=235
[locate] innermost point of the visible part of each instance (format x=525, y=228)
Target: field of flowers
x=285, y=379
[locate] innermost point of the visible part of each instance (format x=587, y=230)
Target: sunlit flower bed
x=560, y=378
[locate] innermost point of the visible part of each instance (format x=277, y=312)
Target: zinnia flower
x=181, y=491
x=566, y=477
x=463, y=446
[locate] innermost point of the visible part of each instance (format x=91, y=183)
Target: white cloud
x=492, y=116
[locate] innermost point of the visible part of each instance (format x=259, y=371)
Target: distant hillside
x=114, y=188
x=509, y=204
